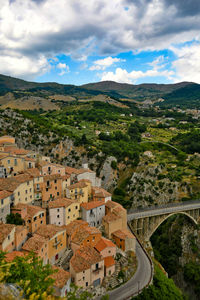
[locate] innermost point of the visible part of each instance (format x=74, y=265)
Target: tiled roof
x=35, y=243
x=119, y=209
x=49, y=230
x=123, y=234
x=32, y=172
x=4, y=194
x=17, y=151
x=5, y=230
x=111, y=204
x=104, y=243
x=61, y=202
x=70, y=171
x=110, y=217
x=73, y=226
x=30, y=159
x=109, y=261
x=84, y=233
x=84, y=258
x=11, y=183
x=61, y=277
x=11, y=256
x=46, y=163
x=31, y=209
x=92, y=204
x=3, y=155
x=65, y=177
x=100, y=192
x=80, y=184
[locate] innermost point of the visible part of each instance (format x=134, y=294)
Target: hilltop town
x=66, y=218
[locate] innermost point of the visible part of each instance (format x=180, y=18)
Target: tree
x=14, y=219
x=28, y=273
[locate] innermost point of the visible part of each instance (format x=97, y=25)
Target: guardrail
x=169, y=205
x=152, y=268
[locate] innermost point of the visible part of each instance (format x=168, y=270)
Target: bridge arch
x=165, y=217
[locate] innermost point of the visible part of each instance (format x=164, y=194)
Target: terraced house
x=63, y=211
x=5, y=197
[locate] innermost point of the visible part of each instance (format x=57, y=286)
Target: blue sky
x=77, y=42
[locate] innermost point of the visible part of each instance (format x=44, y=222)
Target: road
x=138, y=281
x=185, y=206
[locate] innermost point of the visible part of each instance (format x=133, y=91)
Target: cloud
x=35, y=30
x=63, y=67
x=121, y=75
x=187, y=64
x=102, y=64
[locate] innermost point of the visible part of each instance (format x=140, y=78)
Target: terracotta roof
x=70, y=171
x=17, y=151
x=109, y=261
x=29, y=159
x=92, y=204
x=35, y=243
x=123, y=234
x=5, y=230
x=119, y=209
x=84, y=233
x=61, y=202
x=80, y=184
x=11, y=183
x=110, y=217
x=84, y=258
x=61, y=277
x=3, y=155
x=31, y=209
x=104, y=243
x=100, y=192
x=4, y=194
x=47, y=163
x=11, y=256
x=48, y=231
x=73, y=226
x=112, y=204
x=32, y=172
x=65, y=177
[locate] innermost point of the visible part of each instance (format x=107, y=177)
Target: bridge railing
x=168, y=205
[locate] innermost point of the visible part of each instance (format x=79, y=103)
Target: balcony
x=97, y=270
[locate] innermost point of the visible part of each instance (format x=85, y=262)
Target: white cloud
x=187, y=64
x=102, y=64
x=32, y=31
x=63, y=67
x=121, y=75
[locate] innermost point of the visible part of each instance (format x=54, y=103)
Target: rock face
x=108, y=175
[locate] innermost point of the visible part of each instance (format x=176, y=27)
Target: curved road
x=140, y=279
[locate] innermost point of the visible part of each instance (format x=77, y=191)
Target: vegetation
x=14, y=219
x=163, y=288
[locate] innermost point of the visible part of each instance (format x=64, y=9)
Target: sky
x=82, y=41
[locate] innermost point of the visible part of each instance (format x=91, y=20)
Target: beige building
x=63, y=211
x=21, y=187
x=5, y=197
x=47, y=168
x=39, y=245
x=7, y=237
x=87, y=267
x=124, y=239
x=56, y=237
x=80, y=191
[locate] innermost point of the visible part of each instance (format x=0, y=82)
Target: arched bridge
x=145, y=221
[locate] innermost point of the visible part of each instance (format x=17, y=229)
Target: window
x=97, y=266
x=76, y=207
x=30, y=190
x=48, y=183
x=18, y=193
x=93, y=238
x=8, y=161
x=2, y=210
x=55, y=187
x=58, y=216
x=26, y=199
x=35, y=218
x=88, y=241
x=30, y=196
x=69, y=209
x=57, y=193
x=8, y=237
x=41, y=222
x=83, y=278
x=55, y=181
x=26, y=191
x=28, y=183
x=58, y=209
x=15, y=162
x=1, y=201
x=86, y=284
x=47, y=189
x=109, y=251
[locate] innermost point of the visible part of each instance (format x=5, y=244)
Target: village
x=69, y=220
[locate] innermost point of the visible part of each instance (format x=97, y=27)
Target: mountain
x=183, y=94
